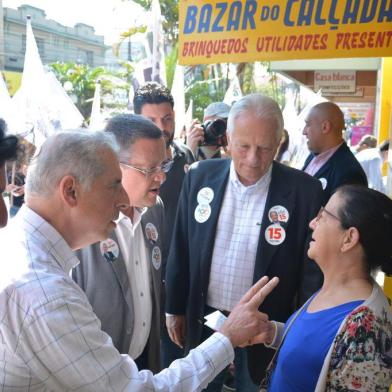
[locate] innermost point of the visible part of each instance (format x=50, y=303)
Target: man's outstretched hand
x=245, y=321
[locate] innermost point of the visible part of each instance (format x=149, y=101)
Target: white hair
x=262, y=106
x=76, y=153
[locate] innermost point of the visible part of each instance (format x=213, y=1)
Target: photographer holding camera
x=206, y=140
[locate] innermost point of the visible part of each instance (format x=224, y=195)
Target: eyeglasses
x=320, y=213
x=164, y=168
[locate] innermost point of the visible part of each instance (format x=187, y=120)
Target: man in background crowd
x=330, y=160
x=367, y=141
x=372, y=160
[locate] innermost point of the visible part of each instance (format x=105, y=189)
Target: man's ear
x=326, y=126
x=69, y=187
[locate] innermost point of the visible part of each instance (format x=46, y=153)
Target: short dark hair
x=370, y=212
x=128, y=128
x=10, y=147
x=151, y=92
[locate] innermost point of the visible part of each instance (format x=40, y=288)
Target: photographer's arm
x=194, y=136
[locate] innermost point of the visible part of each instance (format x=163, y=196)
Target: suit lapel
x=279, y=194
x=217, y=182
x=121, y=274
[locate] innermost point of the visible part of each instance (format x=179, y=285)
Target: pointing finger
x=263, y=292
x=254, y=289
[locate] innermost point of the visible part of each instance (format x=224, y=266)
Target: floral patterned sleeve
x=362, y=354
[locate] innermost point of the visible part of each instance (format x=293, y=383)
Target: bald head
x=324, y=126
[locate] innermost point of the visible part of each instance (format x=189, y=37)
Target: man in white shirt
x=50, y=337
x=121, y=275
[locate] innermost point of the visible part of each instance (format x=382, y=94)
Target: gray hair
x=262, y=106
x=128, y=128
x=76, y=153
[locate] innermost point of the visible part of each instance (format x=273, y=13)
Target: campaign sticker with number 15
x=275, y=234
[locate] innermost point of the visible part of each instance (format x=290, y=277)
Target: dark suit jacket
x=106, y=285
x=189, y=260
x=342, y=168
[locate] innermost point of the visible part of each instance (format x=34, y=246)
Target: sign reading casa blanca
x=249, y=30
x=335, y=81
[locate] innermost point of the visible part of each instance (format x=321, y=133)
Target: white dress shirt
x=236, y=240
x=50, y=337
x=133, y=249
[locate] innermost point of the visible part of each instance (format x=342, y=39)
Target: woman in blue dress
x=341, y=339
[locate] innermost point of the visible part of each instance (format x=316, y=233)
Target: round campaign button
x=156, y=257
x=205, y=195
x=109, y=250
x=278, y=214
x=275, y=234
x=323, y=182
x=151, y=232
x=202, y=212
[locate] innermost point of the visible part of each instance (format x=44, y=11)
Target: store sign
x=334, y=81
x=216, y=31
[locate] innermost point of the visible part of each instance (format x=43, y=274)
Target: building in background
x=55, y=42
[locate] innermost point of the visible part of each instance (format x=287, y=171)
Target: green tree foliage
x=169, y=10
x=83, y=79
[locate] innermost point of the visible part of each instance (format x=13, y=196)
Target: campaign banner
x=214, y=31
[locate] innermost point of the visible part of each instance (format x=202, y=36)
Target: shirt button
x=144, y=324
x=137, y=262
x=141, y=294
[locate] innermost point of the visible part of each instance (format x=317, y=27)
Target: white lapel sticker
x=109, y=249
x=275, y=234
x=205, y=195
x=151, y=233
x=323, y=182
x=202, y=212
x=156, y=257
x=278, y=214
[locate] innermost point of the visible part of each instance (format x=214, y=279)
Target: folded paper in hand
x=215, y=320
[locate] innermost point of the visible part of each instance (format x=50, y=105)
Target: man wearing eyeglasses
x=155, y=102
x=125, y=290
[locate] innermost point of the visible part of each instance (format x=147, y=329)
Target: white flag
x=97, y=120
x=41, y=102
x=158, y=53
x=234, y=92
x=178, y=93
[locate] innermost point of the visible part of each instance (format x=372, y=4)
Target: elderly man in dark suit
x=224, y=238
x=122, y=274
x=331, y=161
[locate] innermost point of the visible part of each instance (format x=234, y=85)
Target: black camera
x=215, y=133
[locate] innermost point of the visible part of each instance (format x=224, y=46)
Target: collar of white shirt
x=134, y=222
x=235, y=181
x=49, y=238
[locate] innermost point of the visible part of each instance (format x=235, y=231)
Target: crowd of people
x=127, y=240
